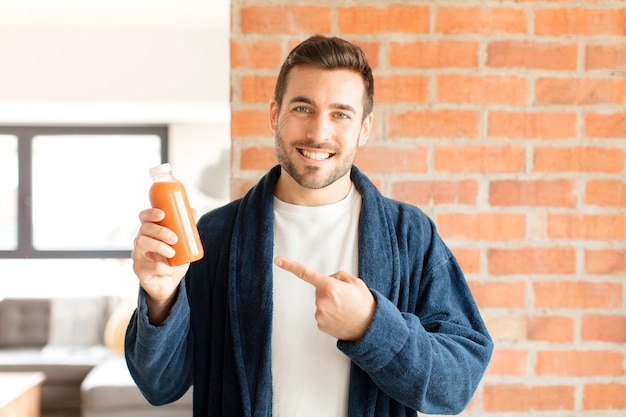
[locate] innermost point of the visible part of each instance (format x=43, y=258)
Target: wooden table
x=20, y=394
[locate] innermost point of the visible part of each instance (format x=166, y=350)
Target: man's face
x=319, y=125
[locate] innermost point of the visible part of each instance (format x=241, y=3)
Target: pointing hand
x=345, y=306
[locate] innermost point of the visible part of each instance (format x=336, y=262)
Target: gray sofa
x=77, y=343
x=109, y=391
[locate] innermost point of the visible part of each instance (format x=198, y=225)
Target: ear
x=366, y=128
x=273, y=115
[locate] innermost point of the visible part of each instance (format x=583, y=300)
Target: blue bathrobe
x=426, y=348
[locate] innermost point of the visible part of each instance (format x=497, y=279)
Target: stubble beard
x=311, y=177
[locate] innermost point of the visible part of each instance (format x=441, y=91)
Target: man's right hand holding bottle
x=151, y=250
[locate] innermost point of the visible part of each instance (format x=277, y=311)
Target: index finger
x=301, y=271
x=152, y=215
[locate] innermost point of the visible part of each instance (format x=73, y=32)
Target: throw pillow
x=115, y=329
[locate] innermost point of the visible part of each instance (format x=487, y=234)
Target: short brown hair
x=328, y=53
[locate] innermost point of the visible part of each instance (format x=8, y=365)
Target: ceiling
x=205, y=14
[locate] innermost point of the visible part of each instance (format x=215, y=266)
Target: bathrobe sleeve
x=427, y=346
x=160, y=357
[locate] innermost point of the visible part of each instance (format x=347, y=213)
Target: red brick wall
x=506, y=123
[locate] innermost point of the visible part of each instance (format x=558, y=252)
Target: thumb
x=343, y=276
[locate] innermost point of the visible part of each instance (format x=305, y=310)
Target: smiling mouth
x=317, y=156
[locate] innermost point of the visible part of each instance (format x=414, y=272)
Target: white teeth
x=318, y=156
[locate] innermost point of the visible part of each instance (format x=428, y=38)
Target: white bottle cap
x=160, y=169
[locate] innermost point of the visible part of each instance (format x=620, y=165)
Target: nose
x=319, y=128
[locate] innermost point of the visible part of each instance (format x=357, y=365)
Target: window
x=8, y=192
x=75, y=192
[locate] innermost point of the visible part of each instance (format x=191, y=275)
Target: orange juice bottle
x=168, y=194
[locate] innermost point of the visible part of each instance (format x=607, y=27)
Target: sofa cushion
x=60, y=365
x=24, y=322
x=110, y=386
x=78, y=321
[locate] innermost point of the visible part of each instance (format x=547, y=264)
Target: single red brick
x=257, y=158
x=499, y=294
x=610, y=57
x=524, y=398
x=285, y=19
x=402, y=89
x=257, y=88
x=482, y=226
x=250, y=123
x=434, y=192
x=554, y=329
x=433, y=124
x=481, y=20
x=604, y=328
x=579, y=159
x=388, y=18
x=484, y=89
x=508, y=362
x=388, y=159
x=580, y=363
x=255, y=54
x=532, y=125
x=604, y=227
x=533, y=193
x=507, y=327
x=434, y=54
x=532, y=55
x=579, y=21
x=605, y=261
x=605, y=125
x=551, y=260
x=610, y=396
x=580, y=91
x=578, y=294
x=605, y=193
x=468, y=259
x=483, y=159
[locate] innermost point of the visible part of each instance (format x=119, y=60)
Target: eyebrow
x=340, y=106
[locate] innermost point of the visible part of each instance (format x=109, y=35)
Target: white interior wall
x=111, y=64
x=119, y=62
x=76, y=69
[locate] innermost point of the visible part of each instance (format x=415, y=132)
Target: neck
x=289, y=191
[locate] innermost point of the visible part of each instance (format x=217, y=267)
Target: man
x=317, y=296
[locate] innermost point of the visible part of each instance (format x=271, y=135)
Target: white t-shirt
x=310, y=376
